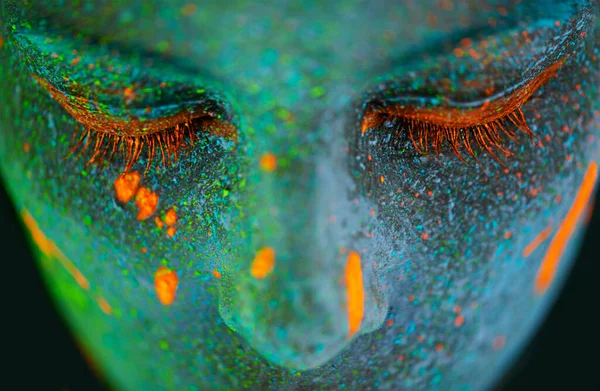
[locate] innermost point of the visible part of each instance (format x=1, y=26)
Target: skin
x=449, y=295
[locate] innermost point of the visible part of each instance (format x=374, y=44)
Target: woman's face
x=299, y=195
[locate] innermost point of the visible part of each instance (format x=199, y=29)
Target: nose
x=300, y=292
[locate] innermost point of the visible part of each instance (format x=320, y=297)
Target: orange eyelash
x=107, y=134
x=432, y=127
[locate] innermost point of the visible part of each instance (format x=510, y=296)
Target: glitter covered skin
x=306, y=251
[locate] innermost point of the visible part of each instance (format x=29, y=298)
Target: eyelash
x=169, y=141
x=106, y=135
x=431, y=128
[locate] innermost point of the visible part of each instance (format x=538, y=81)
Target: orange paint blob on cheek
x=355, y=292
x=146, y=201
x=268, y=162
x=170, y=220
x=126, y=185
x=170, y=217
x=165, y=283
x=263, y=263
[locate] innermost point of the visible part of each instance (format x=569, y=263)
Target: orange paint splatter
x=159, y=222
x=499, y=342
x=49, y=248
x=217, y=273
x=171, y=231
x=129, y=94
x=355, y=291
x=459, y=320
x=439, y=347
x=263, y=263
x=170, y=217
x=26, y=147
x=268, y=162
x=104, y=305
x=165, y=283
x=146, y=201
x=539, y=239
x=557, y=246
x=126, y=185
x=189, y=9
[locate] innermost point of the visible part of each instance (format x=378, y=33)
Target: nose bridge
x=289, y=183
x=289, y=295
x=290, y=213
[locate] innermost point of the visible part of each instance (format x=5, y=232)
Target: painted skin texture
x=305, y=252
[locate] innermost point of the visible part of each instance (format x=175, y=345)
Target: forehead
x=279, y=42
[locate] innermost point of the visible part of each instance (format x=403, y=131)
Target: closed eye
x=472, y=104
x=430, y=125
x=124, y=104
x=137, y=130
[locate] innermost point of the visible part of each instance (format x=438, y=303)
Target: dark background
x=42, y=355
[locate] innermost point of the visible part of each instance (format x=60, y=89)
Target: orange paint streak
x=557, y=246
x=217, y=273
x=355, y=291
x=146, y=201
x=104, y=306
x=49, y=248
x=126, y=185
x=165, y=283
x=263, y=263
x=542, y=236
x=268, y=162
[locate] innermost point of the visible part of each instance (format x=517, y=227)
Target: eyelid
x=103, y=71
x=447, y=112
x=135, y=121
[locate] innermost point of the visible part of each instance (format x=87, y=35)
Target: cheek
x=117, y=250
x=478, y=251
